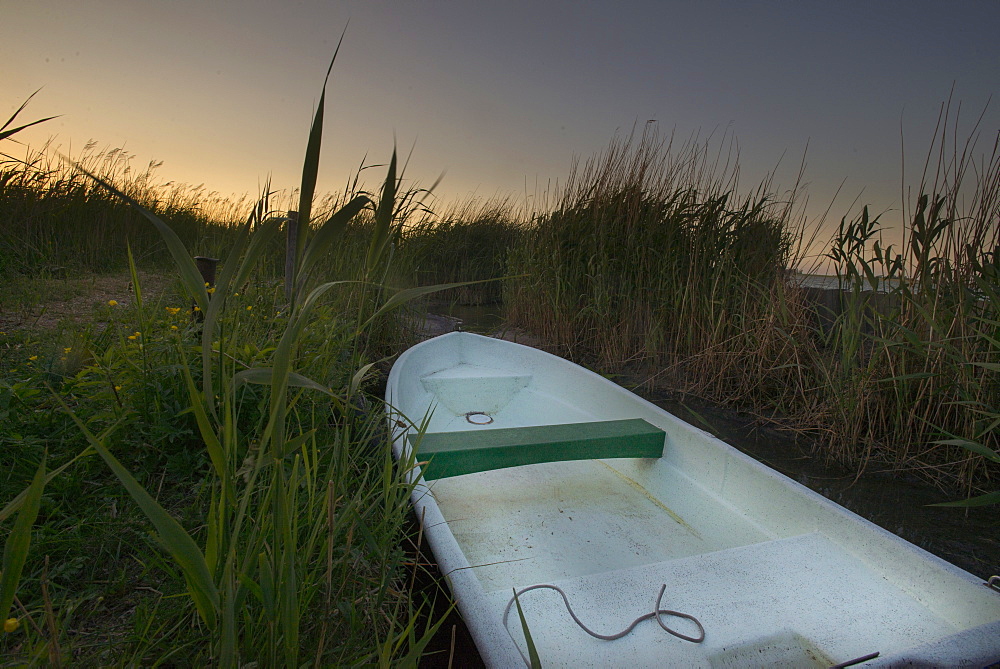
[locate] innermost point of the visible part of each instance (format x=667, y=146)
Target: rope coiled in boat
x=655, y=614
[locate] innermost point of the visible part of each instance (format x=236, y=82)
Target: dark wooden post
x=206, y=267
x=291, y=248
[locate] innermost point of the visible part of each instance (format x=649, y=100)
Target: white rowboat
x=571, y=494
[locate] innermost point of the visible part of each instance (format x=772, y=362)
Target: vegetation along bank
x=200, y=474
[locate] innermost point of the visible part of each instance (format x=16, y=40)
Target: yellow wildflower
x=197, y=308
x=249, y=307
x=33, y=358
x=131, y=337
x=173, y=327
x=112, y=303
x=67, y=349
x=11, y=625
x=173, y=311
x=117, y=388
x=210, y=290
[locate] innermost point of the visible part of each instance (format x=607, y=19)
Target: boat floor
x=740, y=596
x=560, y=519
x=609, y=543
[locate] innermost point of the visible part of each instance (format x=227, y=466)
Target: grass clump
x=650, y=256
x=469, y=242
x=652, y=264
x=914, y=353
x=115, y=595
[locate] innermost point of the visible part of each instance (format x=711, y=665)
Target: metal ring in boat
x=479, y=415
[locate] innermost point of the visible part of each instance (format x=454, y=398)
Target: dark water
x=484, y=319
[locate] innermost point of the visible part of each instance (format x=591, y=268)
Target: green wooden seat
x=470, y=451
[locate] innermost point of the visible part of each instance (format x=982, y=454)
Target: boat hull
x=775, y=573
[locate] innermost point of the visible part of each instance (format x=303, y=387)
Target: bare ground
x=45, y=304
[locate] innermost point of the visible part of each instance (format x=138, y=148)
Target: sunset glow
x=501, y=97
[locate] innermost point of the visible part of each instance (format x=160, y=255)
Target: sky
x=502, y=97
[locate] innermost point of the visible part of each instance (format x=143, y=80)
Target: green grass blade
x=213, y=540
x=988, y=499
x=13, y=131
x=988, y=366
x=915, y=376
x=310, y=166
x=264, y=376
x=975, y=447
x=409, y=294
x=359, y=377
x=296, y=443
x=536, y=663
x=266, y=586
x=15, y=550
x=290, y=608
x=228, y=639
x=5, y=133
x=316, y=293
x=417, y=646
x=14, y=505
x=310, y=169
x=212, y=442
x=252, y=587
x=383, y=220
x=133, y=273
x=172, y=536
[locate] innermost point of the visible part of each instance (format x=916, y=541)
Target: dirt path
x=44, y=304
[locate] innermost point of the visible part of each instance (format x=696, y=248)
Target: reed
x=469, y=241
x=651, y=257
x=55, y=221
x=651, y=264
x=912, y=380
